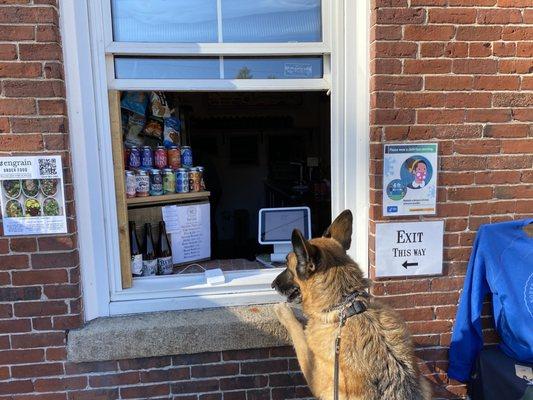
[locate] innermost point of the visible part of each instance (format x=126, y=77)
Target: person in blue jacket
x=501, y=263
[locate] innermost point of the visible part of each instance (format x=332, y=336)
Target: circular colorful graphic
x=396, y=190
x=416, y=172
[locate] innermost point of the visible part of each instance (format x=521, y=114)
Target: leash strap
x=351, y=309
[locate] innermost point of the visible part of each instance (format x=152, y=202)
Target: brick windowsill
x=176, y=332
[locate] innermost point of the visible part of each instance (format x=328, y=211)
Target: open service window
x=212, y=110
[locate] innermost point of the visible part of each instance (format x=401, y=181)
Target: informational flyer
x=189, y=226
x=410, y=179
x=32, y=195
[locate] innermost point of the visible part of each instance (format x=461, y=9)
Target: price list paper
x=32, y=195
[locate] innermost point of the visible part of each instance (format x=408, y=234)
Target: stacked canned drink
x=161, y=171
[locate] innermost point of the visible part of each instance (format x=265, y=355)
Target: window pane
x=271, y=21
x=165, y=20
x=273, y=68
x=167, y=68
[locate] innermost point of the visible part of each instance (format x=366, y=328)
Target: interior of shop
x=257, y=150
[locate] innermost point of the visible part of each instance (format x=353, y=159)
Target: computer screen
x=276, y=224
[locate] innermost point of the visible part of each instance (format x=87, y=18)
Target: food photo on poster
x=32, y=195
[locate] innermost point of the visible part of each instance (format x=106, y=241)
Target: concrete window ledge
x=176, y=332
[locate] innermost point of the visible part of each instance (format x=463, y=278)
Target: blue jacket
x=501, y=263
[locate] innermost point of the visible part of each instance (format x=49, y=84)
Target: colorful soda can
x=195, y=180
x=134, y=159
x=186, y=156
x=131, y=185
x=174, y=157
x=169, y=181
x=202, y=182
x=156, y=182
x=142, y=184
x=147, y=158
x=160, y=157
x=182, y=181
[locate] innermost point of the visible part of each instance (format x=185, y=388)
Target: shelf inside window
x=167, y=198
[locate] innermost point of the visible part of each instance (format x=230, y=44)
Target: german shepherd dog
x=376, y=357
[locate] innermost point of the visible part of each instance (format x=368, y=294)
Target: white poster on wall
x=410, y=179
x=409, y=248
x=32, y=196
x=189, y=226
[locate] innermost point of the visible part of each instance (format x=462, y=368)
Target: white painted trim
x=202, y=85
x=215, y=49
x=84, y=156
x=88, y=78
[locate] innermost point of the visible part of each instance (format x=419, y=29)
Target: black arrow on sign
x=408, y=264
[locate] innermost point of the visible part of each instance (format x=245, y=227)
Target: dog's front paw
x=285, y=314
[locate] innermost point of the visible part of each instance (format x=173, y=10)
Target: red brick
x=37, y=370
x=98, y=394
x=22, y=356
x=15, y=325
x=37, y=340
x=13, y=387
x=518, y=146
x=56, y=354
x=470, y=193
x=264, y=366
x=48, y=33
x=62, y=291
x=20, y=70
x=445, y=284
x=8, y=51
x=398, y=16
x=468, y=100
x=385, y=66
x=469, y=3
x=447, y=312
x=480, y=49
x=126, y=378
x=20, y=293
x=42, y=124
x=90, y=367
x=424, y=327
x=40, y=51
x=496, y=16
x=23, y=245
x=51, y=107
x=207, y=371
x=427, y=66
x=40, y=308
x=515, y=67
x=509, y=162
x=21, y=142
x=495, y=177
x=479, y=33
x=484, y=146
x=440, y=116
x=145, y=391
x=34, y=88
x=163, y=375
x=14, y=33
x=408, y=286
x=145, y=363
x=488, y=115
x=392, y=117
x=6, y=311
x=513, y=99
x=405, y=83
x=491, y=208
x=40, y=277
x=506, y=130
x=527, y=83
x=417, y=100
x=498, y=82
x=456, y=49
x=388, y=32
x=474, y=66
x=431, y=49
x=452, y=15
x=517, y=33
x=396, y=49
x=418, y=314
x=28, y=15
x=53, y=70
x=523, y=114
x=504, y=49
x=429, y=32
x=514, y=3
x=448, y=82
x=54, y=260
x=463, y=163
x=10, y=262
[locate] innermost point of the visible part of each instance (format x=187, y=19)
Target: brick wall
x=459, y=72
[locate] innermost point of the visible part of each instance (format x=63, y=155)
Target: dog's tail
x=425, y=388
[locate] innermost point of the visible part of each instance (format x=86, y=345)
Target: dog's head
x=311, y=262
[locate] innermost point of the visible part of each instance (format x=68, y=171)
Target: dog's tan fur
x=376, y=354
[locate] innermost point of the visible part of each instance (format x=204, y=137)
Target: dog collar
x=349, y=307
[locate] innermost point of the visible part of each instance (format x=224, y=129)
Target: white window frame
x=88, y=49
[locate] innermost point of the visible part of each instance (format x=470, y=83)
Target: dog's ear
x=307, y=255
x=341, y=229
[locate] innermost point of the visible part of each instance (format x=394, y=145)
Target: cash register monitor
x=276, y=226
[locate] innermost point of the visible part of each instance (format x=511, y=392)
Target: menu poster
x=189, y=227
x=32, y=196
x=410, y=179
